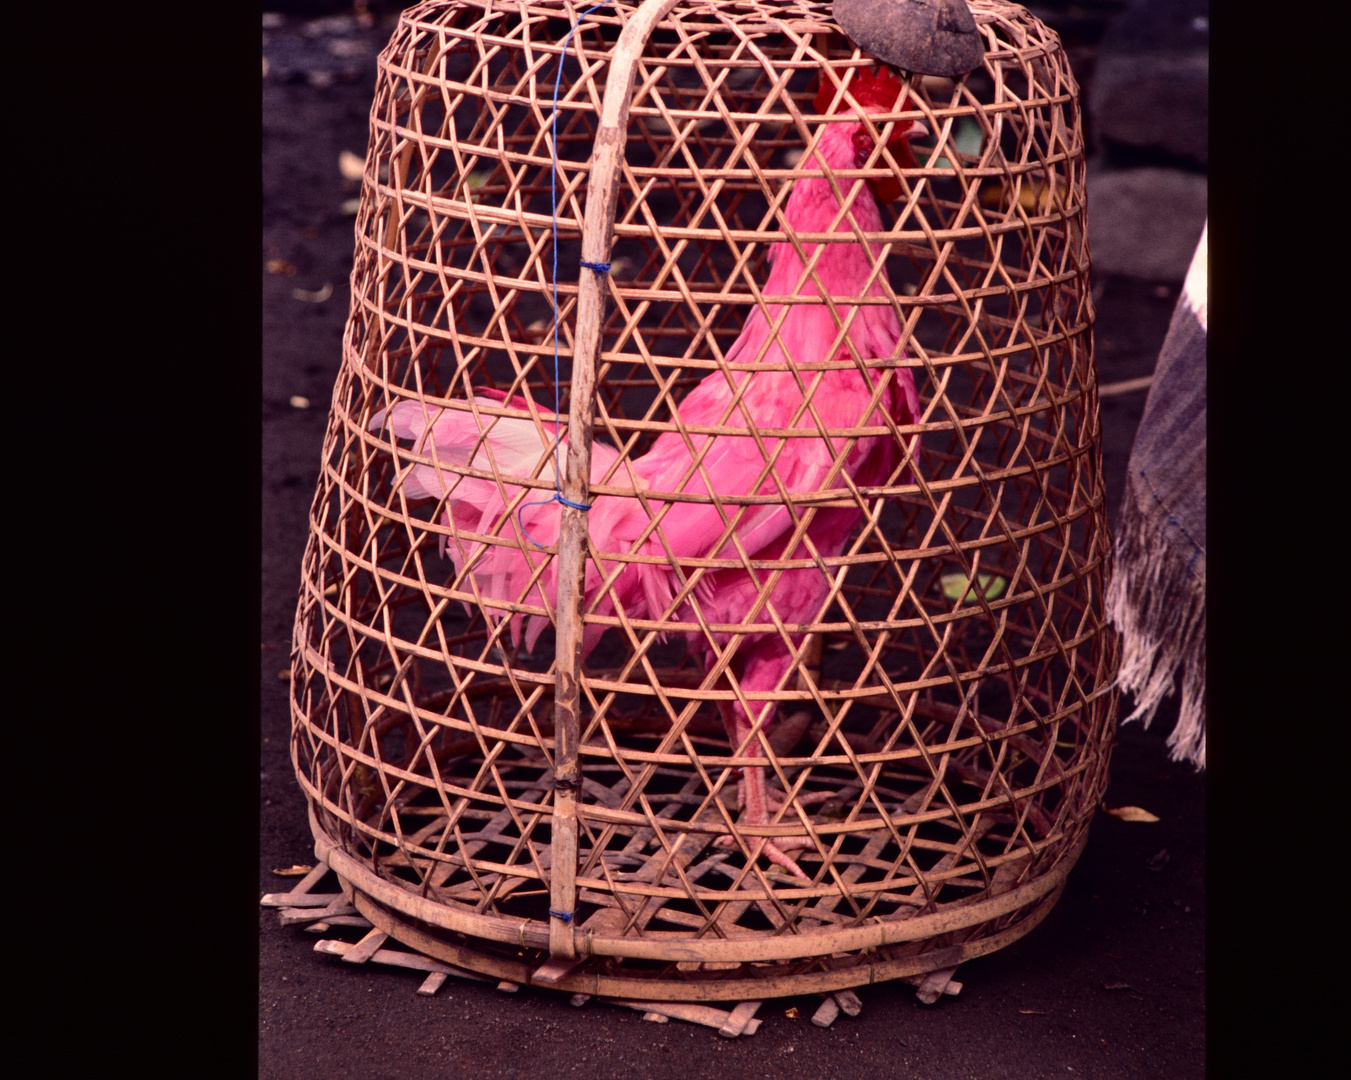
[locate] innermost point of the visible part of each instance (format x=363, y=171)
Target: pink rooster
x=723, y=466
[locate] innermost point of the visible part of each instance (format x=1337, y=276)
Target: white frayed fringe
x=1160, y=612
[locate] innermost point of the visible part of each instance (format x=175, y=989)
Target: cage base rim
x=844, y=969
x=862, y=969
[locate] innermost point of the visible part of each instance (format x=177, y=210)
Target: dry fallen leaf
x=792, y=1012
x=1033, y=1012
x=351, y=165
x=284, y=675
x=299, y=402
x=1131, y=813
x=295, y=870
x=318, y=296
x=280, y=266
x=1034, y=196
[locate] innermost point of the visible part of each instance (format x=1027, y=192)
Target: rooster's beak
x=900, y=143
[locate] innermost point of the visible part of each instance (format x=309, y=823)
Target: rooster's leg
x=756, y=812
x=755, y=800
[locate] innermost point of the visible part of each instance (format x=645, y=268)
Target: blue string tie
x=596, y=267
x=564, y=916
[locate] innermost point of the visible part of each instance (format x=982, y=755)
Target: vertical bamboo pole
x=602, y=197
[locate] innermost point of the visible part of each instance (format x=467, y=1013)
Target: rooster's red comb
x=876, y=87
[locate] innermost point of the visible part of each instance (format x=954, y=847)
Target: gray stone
x=1150, y=88
x=1154, y=103
x=1145, y=222
x=1148, y=26
x=931, y=37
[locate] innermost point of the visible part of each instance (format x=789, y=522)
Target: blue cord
x=597, y=267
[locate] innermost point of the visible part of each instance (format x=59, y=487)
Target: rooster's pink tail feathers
x=503, y=564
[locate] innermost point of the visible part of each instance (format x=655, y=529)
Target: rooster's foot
x=776, y=799
x=773, y=850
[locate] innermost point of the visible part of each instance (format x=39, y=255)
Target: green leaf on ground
x=992, y=585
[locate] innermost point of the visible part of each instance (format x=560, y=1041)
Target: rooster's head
x=876, y=90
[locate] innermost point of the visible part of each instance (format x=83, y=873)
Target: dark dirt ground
x=1132, y=918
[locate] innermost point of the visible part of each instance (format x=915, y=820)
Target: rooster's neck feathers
x=812, y=207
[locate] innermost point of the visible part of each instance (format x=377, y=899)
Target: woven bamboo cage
x=561, y=814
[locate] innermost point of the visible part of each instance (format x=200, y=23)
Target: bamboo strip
x=302, y=887
x=695, y=1014
x=1125, y=386
x=935, y=985
x=952, y=987
x=294, y=916
x=299, y=900
x=398, y=958
x=364, y=949
x=601, y=200
x=739, y=1019
x=826, y=1014
x=327, y=924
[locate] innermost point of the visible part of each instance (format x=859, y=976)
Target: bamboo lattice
x=941, y=748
